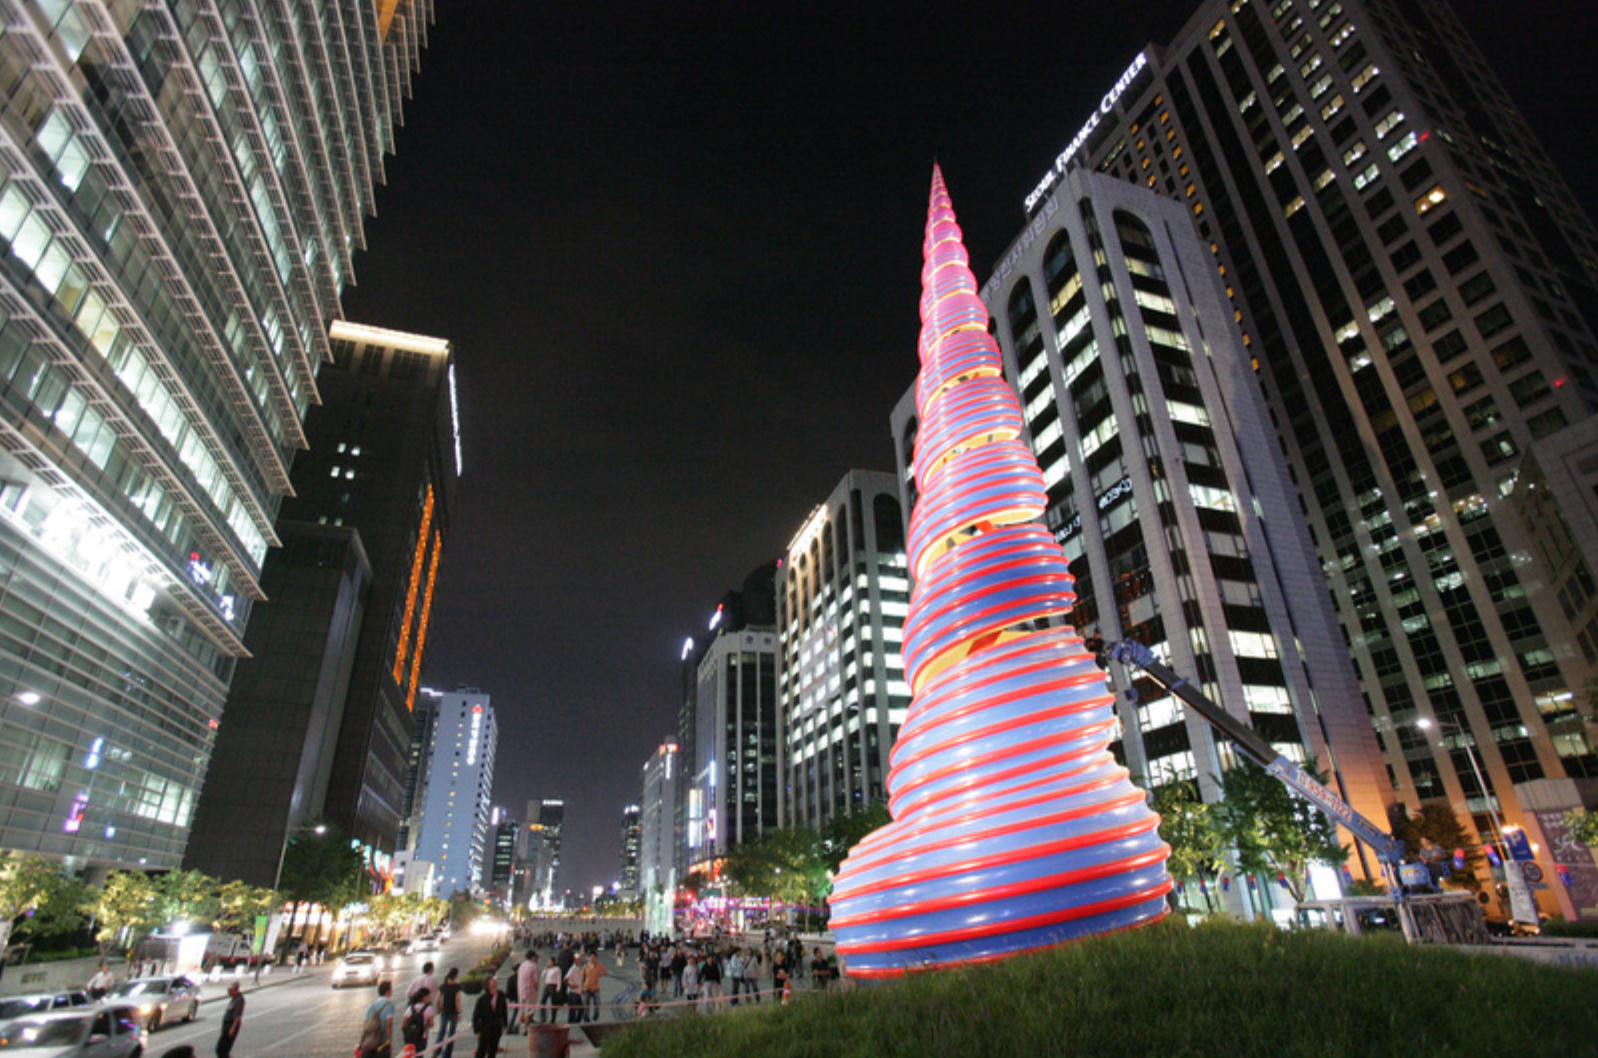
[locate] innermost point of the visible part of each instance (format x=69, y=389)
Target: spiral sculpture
x=1013, y=827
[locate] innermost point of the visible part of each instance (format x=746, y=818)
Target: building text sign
x=1106, y=104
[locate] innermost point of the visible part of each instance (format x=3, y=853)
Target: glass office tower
x=182, y=188
x=1419, y=292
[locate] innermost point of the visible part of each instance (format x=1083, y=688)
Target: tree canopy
x=1272, y=830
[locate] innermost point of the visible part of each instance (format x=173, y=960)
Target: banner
x=1573, y=862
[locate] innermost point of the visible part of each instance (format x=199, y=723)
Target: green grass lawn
x=1224, y=990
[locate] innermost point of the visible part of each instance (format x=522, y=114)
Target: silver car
x=159, y=999
x=96, y=1032
x=42, y=1002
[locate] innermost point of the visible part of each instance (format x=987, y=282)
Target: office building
x=384, y=454
x=181, y=197
x=453, y=832
x=1165, y=488
x=631, y=835
x=657, y=839
x=286, y=705
x=1416, y=286
x=732, y=789
x=545, y=819
x=503, y=827
x=416, y=767
x=844, y=592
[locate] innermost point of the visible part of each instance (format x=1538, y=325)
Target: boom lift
x=1388, y=849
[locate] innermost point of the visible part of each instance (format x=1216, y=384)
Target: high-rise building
x=1418, y=289
x=627, y=877
x=841, y=604
x=657, y=840
x=754, y=604
x=1165, y=488
x=383, y=458
x=502, y=869
x=453, y=830
x=181, y=196
x=286, y=704
x=733, y=787
x=416, y=767
x=545, y=820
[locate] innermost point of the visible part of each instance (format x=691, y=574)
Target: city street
x=303, y=1016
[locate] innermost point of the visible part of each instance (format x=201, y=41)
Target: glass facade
x=1419, y=292
x=181, y=190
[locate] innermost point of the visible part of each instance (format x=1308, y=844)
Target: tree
x=1191, y=828
x=238, y=904
x=1272, y=830
x=127, y=904
x=322, y=869
x=1583, y=826
x=790, y=864
x=186, y=896
x=845, y=831
x=1433, y=835
x=36, y=898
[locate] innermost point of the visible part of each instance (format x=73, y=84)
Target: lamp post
x=1522, y=908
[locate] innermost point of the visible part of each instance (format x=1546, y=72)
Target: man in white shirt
x=426, y=980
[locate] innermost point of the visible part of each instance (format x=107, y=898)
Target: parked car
x=159, y=999
x=85, y=1032
x=358, y=968
x=42, y=1002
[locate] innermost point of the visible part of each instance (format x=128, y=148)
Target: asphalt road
x=304, y=1016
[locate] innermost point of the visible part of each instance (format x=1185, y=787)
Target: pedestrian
x=678, y=962
x=710, y=976
x=232, y=1020
x=735, y=973
x=449, y=1012
x=490, y=1018
x=752, y=973
x=377, y=1031
x=549, y=997
x=690, y=981
x=418, y=1018
x=820, y=971
x=514, y=999
x=592, y=972
x=100, y=983
x=527, y=984
x=423, y=980
x=573, y=982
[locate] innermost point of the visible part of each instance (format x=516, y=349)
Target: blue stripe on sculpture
x=1014, y=828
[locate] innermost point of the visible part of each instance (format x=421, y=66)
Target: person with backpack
x=377, y=1031
x=418, y=1018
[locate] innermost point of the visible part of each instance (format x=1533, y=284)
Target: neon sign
x=1106, y=104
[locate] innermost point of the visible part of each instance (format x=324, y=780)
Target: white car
x=428, y=943
x=98, y=1032
x=358, y=968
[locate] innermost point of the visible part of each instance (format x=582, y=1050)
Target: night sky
x=677, y=249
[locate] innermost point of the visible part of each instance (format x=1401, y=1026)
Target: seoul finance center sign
x=1106, y=104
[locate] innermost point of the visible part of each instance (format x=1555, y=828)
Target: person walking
x=752, y=973
x=710, y=976
x=449, y=1012
x=678, y=962
x=593, y=970
x=514, y=999
x=490, y=1018
x=549, y=996
x=100, y=983
x=735, y=973
x=690, y=982
x=377, y=1031
x=527, y=987
x=232, y=1020
x=418, y=1018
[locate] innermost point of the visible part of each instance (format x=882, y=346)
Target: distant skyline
x=679, y=261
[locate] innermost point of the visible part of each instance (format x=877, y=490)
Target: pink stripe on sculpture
x=1013, y=829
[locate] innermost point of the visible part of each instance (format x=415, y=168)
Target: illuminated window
x=1435, y=197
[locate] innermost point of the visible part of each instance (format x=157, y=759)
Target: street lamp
x=1521, y=903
